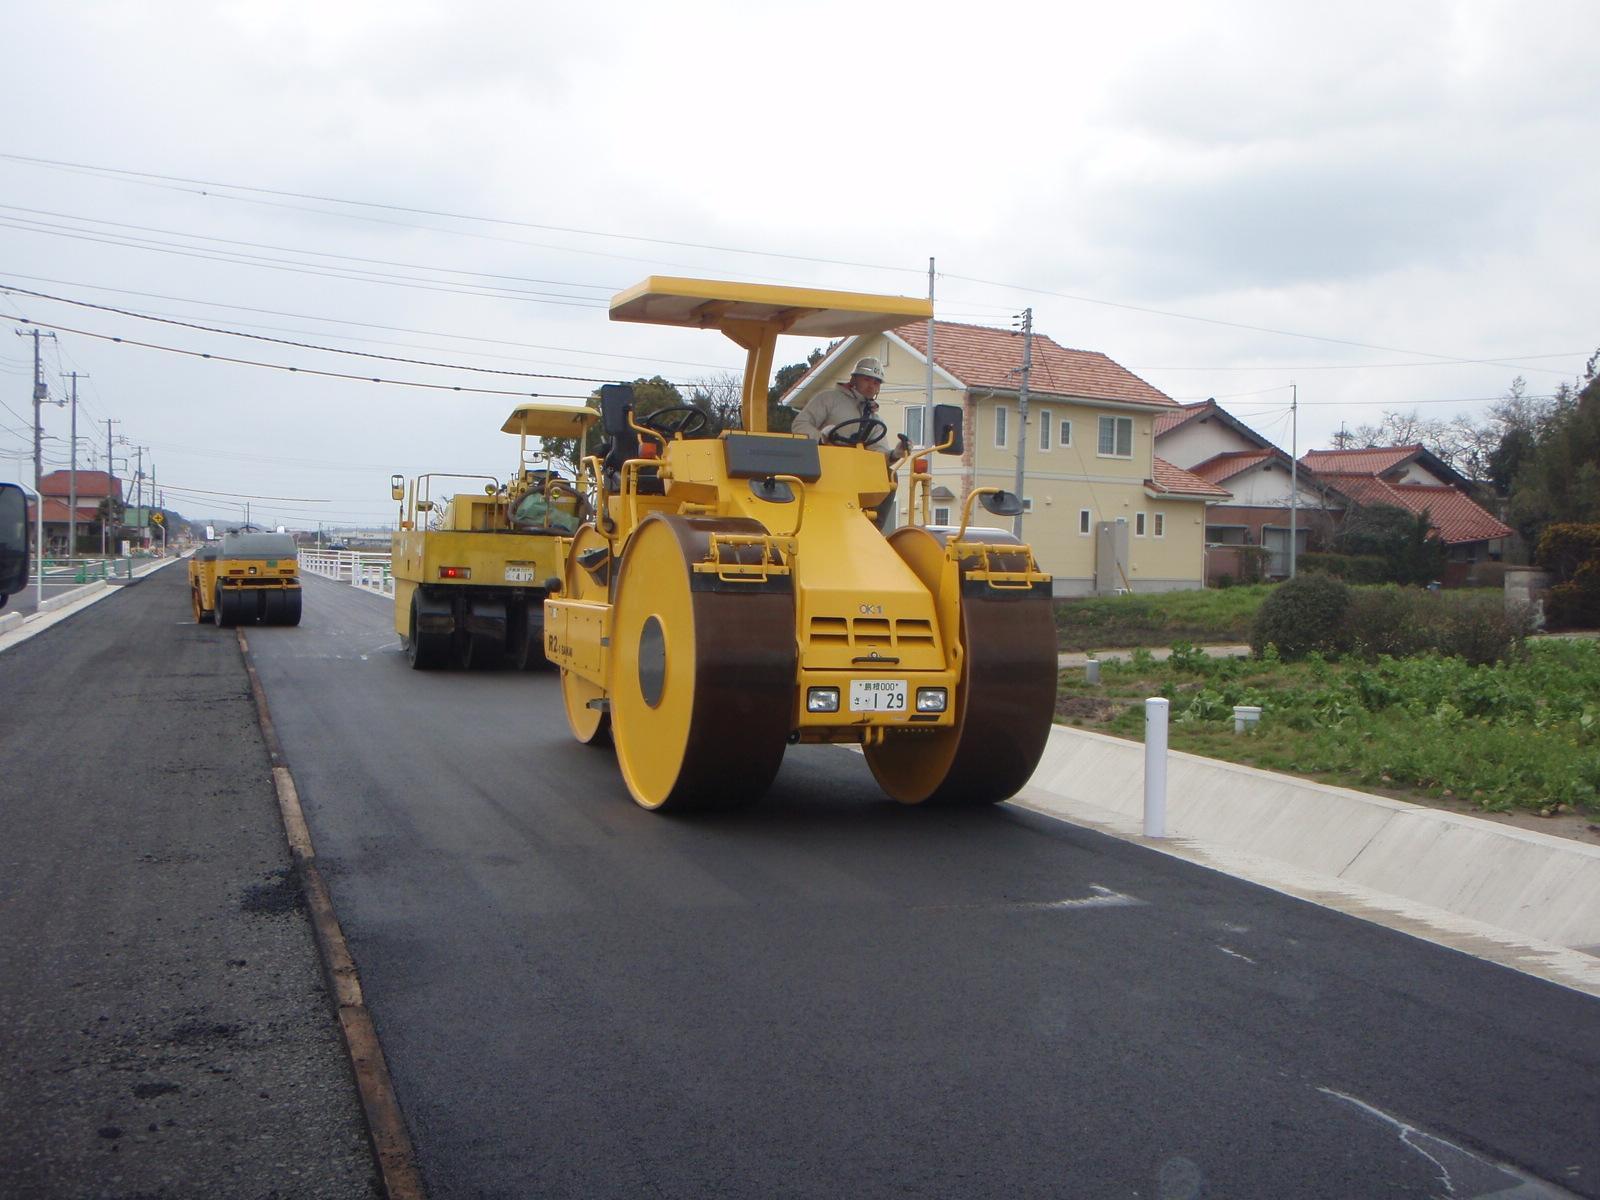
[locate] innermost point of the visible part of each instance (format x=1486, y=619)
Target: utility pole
x=1022, y=412
x=72, y=487
x=1294, y=472
x=111, y=466
x=41, y=393
x=927, y=424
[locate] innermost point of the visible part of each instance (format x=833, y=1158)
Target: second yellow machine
x=471, y=570
x=733, y=595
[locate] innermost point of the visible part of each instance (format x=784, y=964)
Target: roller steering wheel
x=690, y=421
x=865, y=435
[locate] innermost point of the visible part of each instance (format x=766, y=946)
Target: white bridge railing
x=359, y=568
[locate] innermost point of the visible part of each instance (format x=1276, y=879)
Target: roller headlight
x=931, y=700
x=822, y=700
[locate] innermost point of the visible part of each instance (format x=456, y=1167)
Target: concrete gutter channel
x=1525, y=899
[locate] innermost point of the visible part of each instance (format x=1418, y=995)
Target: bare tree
x=721, y=397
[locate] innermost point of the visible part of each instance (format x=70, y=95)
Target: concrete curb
x=1530, y=884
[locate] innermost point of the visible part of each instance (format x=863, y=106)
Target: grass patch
x=1518, y=735
x=1158, y=618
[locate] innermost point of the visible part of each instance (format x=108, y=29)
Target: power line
x=382, y=262
x=429, y=212
x=306, y=269
x=415, y=362
x=274, y=312
x=245, y=362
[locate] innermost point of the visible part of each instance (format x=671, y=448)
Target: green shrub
x=1304, y=614
x=1479, y=630
x=1566, y=547
x=1352, y=568
x=1388, y=620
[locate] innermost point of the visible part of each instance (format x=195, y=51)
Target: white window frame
x=941, y=514
x=920, y=412
x=1064, y=434
x=1046, y=422
x=1027, y=504
x=1141, y=522
x=1159, y=528
x=1002, y=423
x=1085, y=522
x=1116, y=426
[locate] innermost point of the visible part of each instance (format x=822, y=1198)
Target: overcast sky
x=1225, y=198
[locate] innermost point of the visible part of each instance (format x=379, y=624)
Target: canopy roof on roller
x=718, y=304
x=549, y=419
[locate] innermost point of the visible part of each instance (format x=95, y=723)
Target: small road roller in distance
x=733, y=595
x=471, y=570
x=246, y=578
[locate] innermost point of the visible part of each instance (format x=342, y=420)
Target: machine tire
x=425, y=652
x=702, y=674
x=525, y=651
x=201, y=616
x=290, y=612
x=590, y=723
x=1006, y=698
x=272, y=607
x=225, y=612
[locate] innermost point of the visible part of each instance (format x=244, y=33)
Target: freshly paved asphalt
x=829, y=995
x=164, y=1029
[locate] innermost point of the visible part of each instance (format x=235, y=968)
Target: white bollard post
x=1091, y=671
x=1155, y=767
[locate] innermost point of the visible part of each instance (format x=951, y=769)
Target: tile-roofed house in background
x=1104, y=514
x=1219, y=448
x=1416, y=480
x=93, y=487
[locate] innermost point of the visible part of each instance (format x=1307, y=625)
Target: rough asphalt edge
x=386, y=1126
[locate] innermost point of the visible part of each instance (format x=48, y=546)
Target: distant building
x=1417, y=480
x=94, y=488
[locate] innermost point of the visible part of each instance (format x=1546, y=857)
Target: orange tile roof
x=981, y=357
x=1225, y=466
x=1168, y=421
x=1374, y=461
x=1183, y=483
x=90, y=483
x=1454, y=515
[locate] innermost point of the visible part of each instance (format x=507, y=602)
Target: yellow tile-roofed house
x=1103, y=513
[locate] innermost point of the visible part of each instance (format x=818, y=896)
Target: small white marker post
x=1155, y=767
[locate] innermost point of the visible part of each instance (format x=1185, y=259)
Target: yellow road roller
x=246, y=578
x=733, y=596
x=471, y=569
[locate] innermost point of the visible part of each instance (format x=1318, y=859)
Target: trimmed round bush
x=1304, y=614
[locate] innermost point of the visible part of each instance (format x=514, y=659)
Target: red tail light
x=455, y=572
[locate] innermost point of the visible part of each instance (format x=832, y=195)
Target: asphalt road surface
x=829, y=995
x=164, y=1029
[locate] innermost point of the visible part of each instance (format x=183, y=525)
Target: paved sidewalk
x=1160, y=654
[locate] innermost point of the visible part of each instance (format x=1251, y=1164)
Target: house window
x=1083, y=521
x=1065, y=438
x=1138, y=524
x=941, y=516
x=1046, y=421
x=1159, y=529
x=1027, y=504
x=1000, y=414
x=913, y=430
x=1116, y=437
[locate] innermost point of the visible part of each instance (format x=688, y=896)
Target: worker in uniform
x=852, y=401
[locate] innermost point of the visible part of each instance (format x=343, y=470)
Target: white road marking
x=1477, y=1177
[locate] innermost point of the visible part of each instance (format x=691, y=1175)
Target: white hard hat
x=870, y=367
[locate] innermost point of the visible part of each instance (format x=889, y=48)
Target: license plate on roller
x=519, y=574
x=878, y=695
